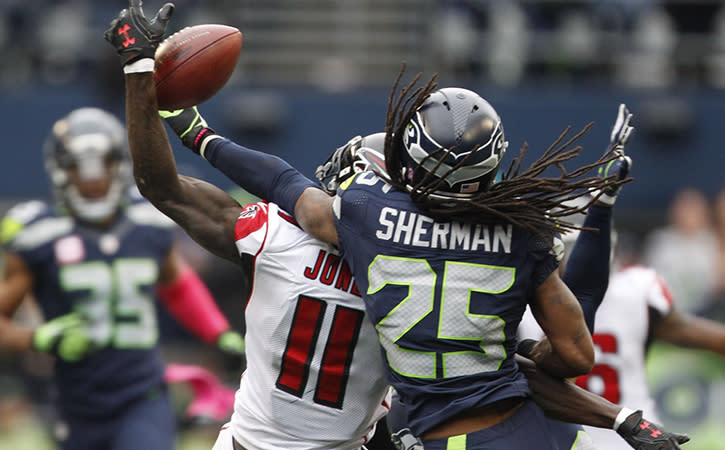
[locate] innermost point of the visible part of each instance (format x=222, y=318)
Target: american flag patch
x=468, y=188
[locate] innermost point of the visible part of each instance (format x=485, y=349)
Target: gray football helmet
x=455, y=136
x=87, y=161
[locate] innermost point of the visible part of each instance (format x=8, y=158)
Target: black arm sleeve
x=266, y=176
x=587, y=270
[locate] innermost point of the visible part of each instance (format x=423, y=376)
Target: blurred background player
x=96, y=262
x=637, y=308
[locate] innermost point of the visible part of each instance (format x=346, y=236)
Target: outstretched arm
x=587, y=269
x=263, y=175
x=207, y=213
x=690, y=331
x=563, y=400
x=266, y=176
x=270, y=177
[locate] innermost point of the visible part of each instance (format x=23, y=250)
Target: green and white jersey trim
x=21, y=236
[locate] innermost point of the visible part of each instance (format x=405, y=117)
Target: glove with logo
x=189, y=126
x=641, y=434
x=619, y=167
x=135, y=37
x=64, y=337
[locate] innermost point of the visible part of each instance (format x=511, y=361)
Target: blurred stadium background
x=313, y=73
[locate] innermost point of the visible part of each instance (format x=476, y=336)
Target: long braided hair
x=540, y=204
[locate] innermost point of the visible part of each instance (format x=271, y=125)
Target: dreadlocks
x=524, y=198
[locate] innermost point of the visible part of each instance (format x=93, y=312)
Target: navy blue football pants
x=147, y=424
x=528, y=428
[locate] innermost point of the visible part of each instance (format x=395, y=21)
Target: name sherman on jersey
x=446, y=297
x=418, y=230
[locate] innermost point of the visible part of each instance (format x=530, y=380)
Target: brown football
x=194, y=63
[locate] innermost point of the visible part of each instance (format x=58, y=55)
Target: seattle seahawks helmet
x=455, y=139
x=358, y=155
x=86, y=160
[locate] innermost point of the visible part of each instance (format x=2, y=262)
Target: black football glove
x=189, y=126
x=642, y=434
x=525, y=346
x=134, y=36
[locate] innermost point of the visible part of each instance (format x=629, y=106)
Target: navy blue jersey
x=108, y=276
x=446, y=297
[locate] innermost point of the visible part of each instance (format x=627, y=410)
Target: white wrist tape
x=205, y=140
x=140, y=66
x=604, y=198
x=621, y=417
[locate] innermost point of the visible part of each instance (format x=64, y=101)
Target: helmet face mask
x=360, y=154
x=455, y=139
x=86, y=159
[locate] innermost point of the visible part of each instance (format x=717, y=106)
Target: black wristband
x=525, y=347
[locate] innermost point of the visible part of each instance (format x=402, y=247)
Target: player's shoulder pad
x=252, y=222
x=252, y=210
x=141, y=212
x=255, y=214
x=31, y=224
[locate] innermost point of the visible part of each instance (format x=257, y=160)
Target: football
x=194, y=63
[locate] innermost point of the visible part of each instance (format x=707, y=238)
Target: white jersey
x=621, y=329
x=315, y=376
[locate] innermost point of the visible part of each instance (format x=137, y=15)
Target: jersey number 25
x=455, y=321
